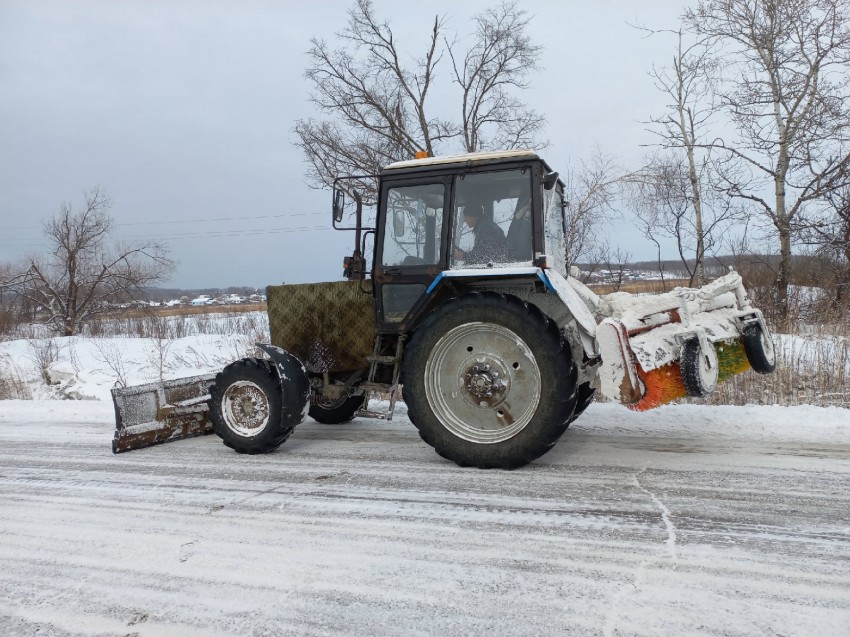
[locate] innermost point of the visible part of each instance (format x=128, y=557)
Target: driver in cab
x=490, y=245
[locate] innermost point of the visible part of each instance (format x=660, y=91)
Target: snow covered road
x=708, y=520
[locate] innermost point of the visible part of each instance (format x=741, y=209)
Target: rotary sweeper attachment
x=150, y=414
x=658, y=348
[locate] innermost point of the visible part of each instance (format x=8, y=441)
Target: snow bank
x=88, y=368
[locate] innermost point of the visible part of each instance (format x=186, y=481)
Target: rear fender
x=561, y=303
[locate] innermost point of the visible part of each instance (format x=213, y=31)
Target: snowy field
x=686, y=520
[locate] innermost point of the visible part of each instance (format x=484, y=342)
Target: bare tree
x=377, y=99
x=499, y=60
x=835, y=242
x=786, y=92
x=830, y=236
x=83, y=272
x=661, y=196
x=589, y=192
x=689, y=85
x=617, y=264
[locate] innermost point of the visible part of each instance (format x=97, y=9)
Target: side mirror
x=398, y=223
x=338, y=204
x=549, y=180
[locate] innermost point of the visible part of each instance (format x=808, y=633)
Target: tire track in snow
x=665, y=515
x=634, y=586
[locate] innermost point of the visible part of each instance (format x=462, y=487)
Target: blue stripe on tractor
x=434, y=283
x=540, y=273
x=545, y=279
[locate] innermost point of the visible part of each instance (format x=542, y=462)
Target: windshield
x=492, y=217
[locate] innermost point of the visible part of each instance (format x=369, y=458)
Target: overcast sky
x=183, y=111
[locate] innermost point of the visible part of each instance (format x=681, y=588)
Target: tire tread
x=283, y=422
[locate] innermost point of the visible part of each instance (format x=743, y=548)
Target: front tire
x=489, y=382
x=251, y=411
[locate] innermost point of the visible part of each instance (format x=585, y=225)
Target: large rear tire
x=584, y=397
x=251, y=410
x=489, y=382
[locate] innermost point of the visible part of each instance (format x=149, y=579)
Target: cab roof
x=489, y=157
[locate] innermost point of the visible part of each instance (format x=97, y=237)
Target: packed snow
x=88, y=368
x=686, y=519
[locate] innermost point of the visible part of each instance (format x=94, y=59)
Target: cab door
x=410, y=247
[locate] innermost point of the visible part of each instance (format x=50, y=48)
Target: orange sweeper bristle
x=664, y=384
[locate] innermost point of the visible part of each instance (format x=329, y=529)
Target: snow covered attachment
x=658, y=348
x=160, y=412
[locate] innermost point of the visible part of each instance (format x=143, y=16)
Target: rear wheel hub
x=486, y=383
x=483, y=382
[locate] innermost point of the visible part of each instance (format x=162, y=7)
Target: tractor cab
x=494, y=210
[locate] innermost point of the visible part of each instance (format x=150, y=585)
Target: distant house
x=203, y=299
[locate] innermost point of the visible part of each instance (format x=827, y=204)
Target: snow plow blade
x=659, y=348
x=160, y=412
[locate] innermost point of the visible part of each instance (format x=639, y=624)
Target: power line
x=218, y=219
x=202, y=220
x=201, y=234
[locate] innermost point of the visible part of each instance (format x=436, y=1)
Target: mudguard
x=554, y=282
x=292, y=374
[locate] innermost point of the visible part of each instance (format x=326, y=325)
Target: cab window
x=413, y=225
x=492, y=218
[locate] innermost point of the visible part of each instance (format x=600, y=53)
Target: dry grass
x=810, y=370
x=12, y=386
x=189, y=310
x=172, y=325
x=640, y=287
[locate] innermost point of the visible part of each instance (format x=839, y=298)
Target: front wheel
x=251, y=411
x=489, y=382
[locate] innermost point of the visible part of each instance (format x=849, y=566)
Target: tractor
x=467, y=307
